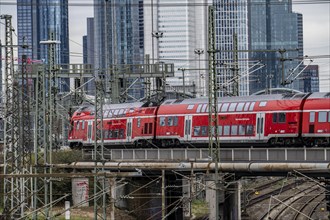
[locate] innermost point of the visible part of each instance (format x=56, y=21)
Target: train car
x=252, y=120
x=316, y=117
x=117, y=118
x=263, y=120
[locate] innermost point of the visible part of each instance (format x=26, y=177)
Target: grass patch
x=199, y=208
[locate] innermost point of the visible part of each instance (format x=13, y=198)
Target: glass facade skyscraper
x=118, y=36
x=231, y=30
x=36, y=19
x=183, y=24
x=276, y=33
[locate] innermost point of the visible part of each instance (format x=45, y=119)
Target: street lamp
x=199, y=52
x=183, y=83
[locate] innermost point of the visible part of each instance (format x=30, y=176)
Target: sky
x=316, y=18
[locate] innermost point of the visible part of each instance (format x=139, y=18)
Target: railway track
x=297, y=200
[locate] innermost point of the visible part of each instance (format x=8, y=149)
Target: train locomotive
x=274, y=120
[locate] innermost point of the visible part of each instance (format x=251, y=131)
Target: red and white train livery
x=272, y=120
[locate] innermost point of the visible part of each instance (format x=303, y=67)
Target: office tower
x=118, y=36
x=176, y=32
x=88, y=54
x=36, y=19
x=85, y=50
x=309, y=79
x=275, y=34
x=231, y=30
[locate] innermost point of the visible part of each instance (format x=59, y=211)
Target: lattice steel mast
x=99, y=182
x=16, y=149
x=214, y=144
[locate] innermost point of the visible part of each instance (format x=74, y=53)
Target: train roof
x=112, y=106
x=297, y=96
x=319, y=95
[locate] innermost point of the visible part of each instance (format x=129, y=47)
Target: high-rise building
x=177, y=33
x=90, y=41
x=231, y=30
x=275, y=38
x=118, y=36
x=36, y=20
x=88, y=54
x=309, y=79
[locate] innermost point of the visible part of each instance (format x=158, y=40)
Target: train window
x=224, y=107
x=312, y=117
x=226, y=130
x=131, y=110
x=176, y=120
x=197, y=130
x=110, y=133
x=232, y=107
x=249, y=130
x=246, y=107
x=162, y=121
x=204, y=107
x=105, y=134
x=77, y=125
x=116, y=112
x=219, y=107
x=204, y=131
x=240, y=107
x=138, y=122
x=190, y=107
x=145, y=131
x=121, y=111
x=281, y=118
x=115, y=133
x=220, y=130
x=199, y=107
x=252, y=106
x=83, y=125
x=274, y=117
x=234, y=130
x=150, y=128
x=322, y=117
x=328, y=116
x=241, y=130
x=121, y=133
x=170, y=121
x=262, y=104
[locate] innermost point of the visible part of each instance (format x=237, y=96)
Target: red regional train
x=263, y=120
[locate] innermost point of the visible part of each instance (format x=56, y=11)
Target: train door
x=187, y=127
x=260, y=126
x=89, y=131
x=129, y=130
x=311, y=128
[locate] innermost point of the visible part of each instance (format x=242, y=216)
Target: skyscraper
x=88, y=54
x=275, y=34
x=231, y=30
x=183, y=41
x=36, y=19
x=118, y=36
x=309, y=79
